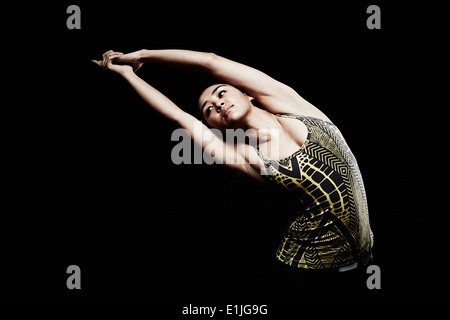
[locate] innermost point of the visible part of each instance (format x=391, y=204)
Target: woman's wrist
x=144, y=55
x=126, y=73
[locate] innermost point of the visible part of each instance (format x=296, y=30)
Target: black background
x=87, y=177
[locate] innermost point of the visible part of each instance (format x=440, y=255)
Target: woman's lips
x=226, y=111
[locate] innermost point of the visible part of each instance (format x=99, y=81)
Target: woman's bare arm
x=273, y=95
x=202, y=135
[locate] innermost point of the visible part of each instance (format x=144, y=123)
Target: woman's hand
x=111, y=56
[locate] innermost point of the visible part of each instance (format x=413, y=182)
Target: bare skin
x=224, y=106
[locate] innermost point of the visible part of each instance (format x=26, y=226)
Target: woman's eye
x=208, y=110
x=221, y=93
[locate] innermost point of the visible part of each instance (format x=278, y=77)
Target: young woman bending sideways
x=296, y=147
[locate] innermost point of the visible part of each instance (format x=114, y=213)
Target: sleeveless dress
x=331, y=228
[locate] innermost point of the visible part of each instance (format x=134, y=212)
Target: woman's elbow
x=210, y=61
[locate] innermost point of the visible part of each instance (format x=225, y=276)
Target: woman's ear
x=250, y=98
x=254, y=102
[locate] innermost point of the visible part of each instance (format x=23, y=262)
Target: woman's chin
x=233, y=119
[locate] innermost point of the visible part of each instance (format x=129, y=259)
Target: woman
x=297, y=148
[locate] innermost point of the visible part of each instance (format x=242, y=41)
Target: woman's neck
x=261, y=125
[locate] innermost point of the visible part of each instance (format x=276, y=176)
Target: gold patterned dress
x=331, y=228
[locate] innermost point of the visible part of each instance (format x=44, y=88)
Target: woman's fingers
x=108, y=57
x=105, y=55
x=114, y=55
x=105, y=58
x=97, y=62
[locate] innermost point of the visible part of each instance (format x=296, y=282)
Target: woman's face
x=224, y=106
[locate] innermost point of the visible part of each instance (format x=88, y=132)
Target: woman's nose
x=219, y=106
